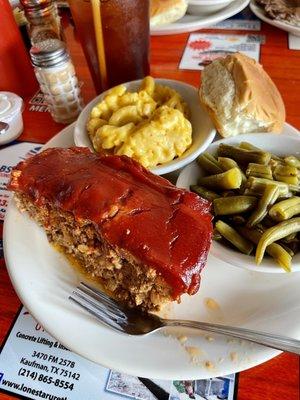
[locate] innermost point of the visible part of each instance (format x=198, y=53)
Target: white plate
x=286, y=143
x=43, y=280
x=206, y=7
x=203, y=129
x=190, y=23
x=259, y=12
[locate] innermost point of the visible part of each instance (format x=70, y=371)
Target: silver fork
x=135, y=322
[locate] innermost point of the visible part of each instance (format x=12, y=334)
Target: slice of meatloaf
x=145, y=239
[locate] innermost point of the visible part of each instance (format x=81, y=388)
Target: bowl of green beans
x=253, y=183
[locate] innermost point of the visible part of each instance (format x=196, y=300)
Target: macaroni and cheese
x=149, y=125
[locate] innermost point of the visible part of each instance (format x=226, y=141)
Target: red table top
x=279, y=377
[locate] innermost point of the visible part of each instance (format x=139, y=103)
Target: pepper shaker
x=57, y=78
x=43, y=20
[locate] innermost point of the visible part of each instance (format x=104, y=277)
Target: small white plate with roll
x=161, y=25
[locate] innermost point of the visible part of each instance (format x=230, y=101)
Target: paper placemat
x=294, y=42
x=10, y=156
x=202, y=48
x=33, y=364
x=244, y=20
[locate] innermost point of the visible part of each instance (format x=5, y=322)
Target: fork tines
x=99, y=305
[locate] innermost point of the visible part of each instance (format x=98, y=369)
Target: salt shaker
x=56, y=75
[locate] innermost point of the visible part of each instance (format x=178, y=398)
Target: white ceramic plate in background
x=283, y=144
x=190, y=23
x=43, y=280
x=206, y=7
x=203, y=129
x=285, y=26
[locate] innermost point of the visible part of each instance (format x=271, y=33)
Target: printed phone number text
x=49, y=380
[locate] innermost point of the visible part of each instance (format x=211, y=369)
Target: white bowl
x=206, y=7
x=203, y=129
x=11, y=107
x=283, y=144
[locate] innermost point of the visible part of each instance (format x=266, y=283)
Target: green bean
x=228, y=193
x=203, y=192
x=276, y=158
x=251, y=234
x=292, y=180
x=286, y=170
x=287, y=249
x=243, y=156
x=230, y=179
x=256, y=186
x=258, y=192
x=292, y=161
x=290, y=238
x=248, y=146
x=275, y=233
x=230, y=234
x=274, y=163
x=238, y=220
x=259, y=171
x=294, y=188
x=285, y=209
x=275, y=250
x=234, y=205
x=294, y=246
x=268, y=198
x=209, y=163
x=216, y=235
x=227, y=163
x=287, y=174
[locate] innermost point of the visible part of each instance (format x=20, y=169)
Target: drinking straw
x=96, y=6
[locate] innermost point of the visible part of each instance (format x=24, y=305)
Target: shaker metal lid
x=36, y=13
x=35, y=3
x=49, y=53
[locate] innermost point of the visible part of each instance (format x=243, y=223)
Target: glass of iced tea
x=123, y=34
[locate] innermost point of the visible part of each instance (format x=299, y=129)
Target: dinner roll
x=241, y=97
x=166, y=11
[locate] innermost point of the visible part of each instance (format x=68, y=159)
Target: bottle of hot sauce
x=16, y=72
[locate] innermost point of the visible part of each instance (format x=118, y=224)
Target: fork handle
x=282, y=343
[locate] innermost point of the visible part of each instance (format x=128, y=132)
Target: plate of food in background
x=159, y=123
x=282, y=14
x=179, y=16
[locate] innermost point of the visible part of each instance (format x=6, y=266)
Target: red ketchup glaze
x=159, y=224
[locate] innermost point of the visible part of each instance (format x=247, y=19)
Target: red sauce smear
x=159, y=224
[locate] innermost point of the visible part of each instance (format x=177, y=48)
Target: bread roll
x=241, y=97
x=166, y=11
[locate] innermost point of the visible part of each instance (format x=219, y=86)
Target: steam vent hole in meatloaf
x=142, y=237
